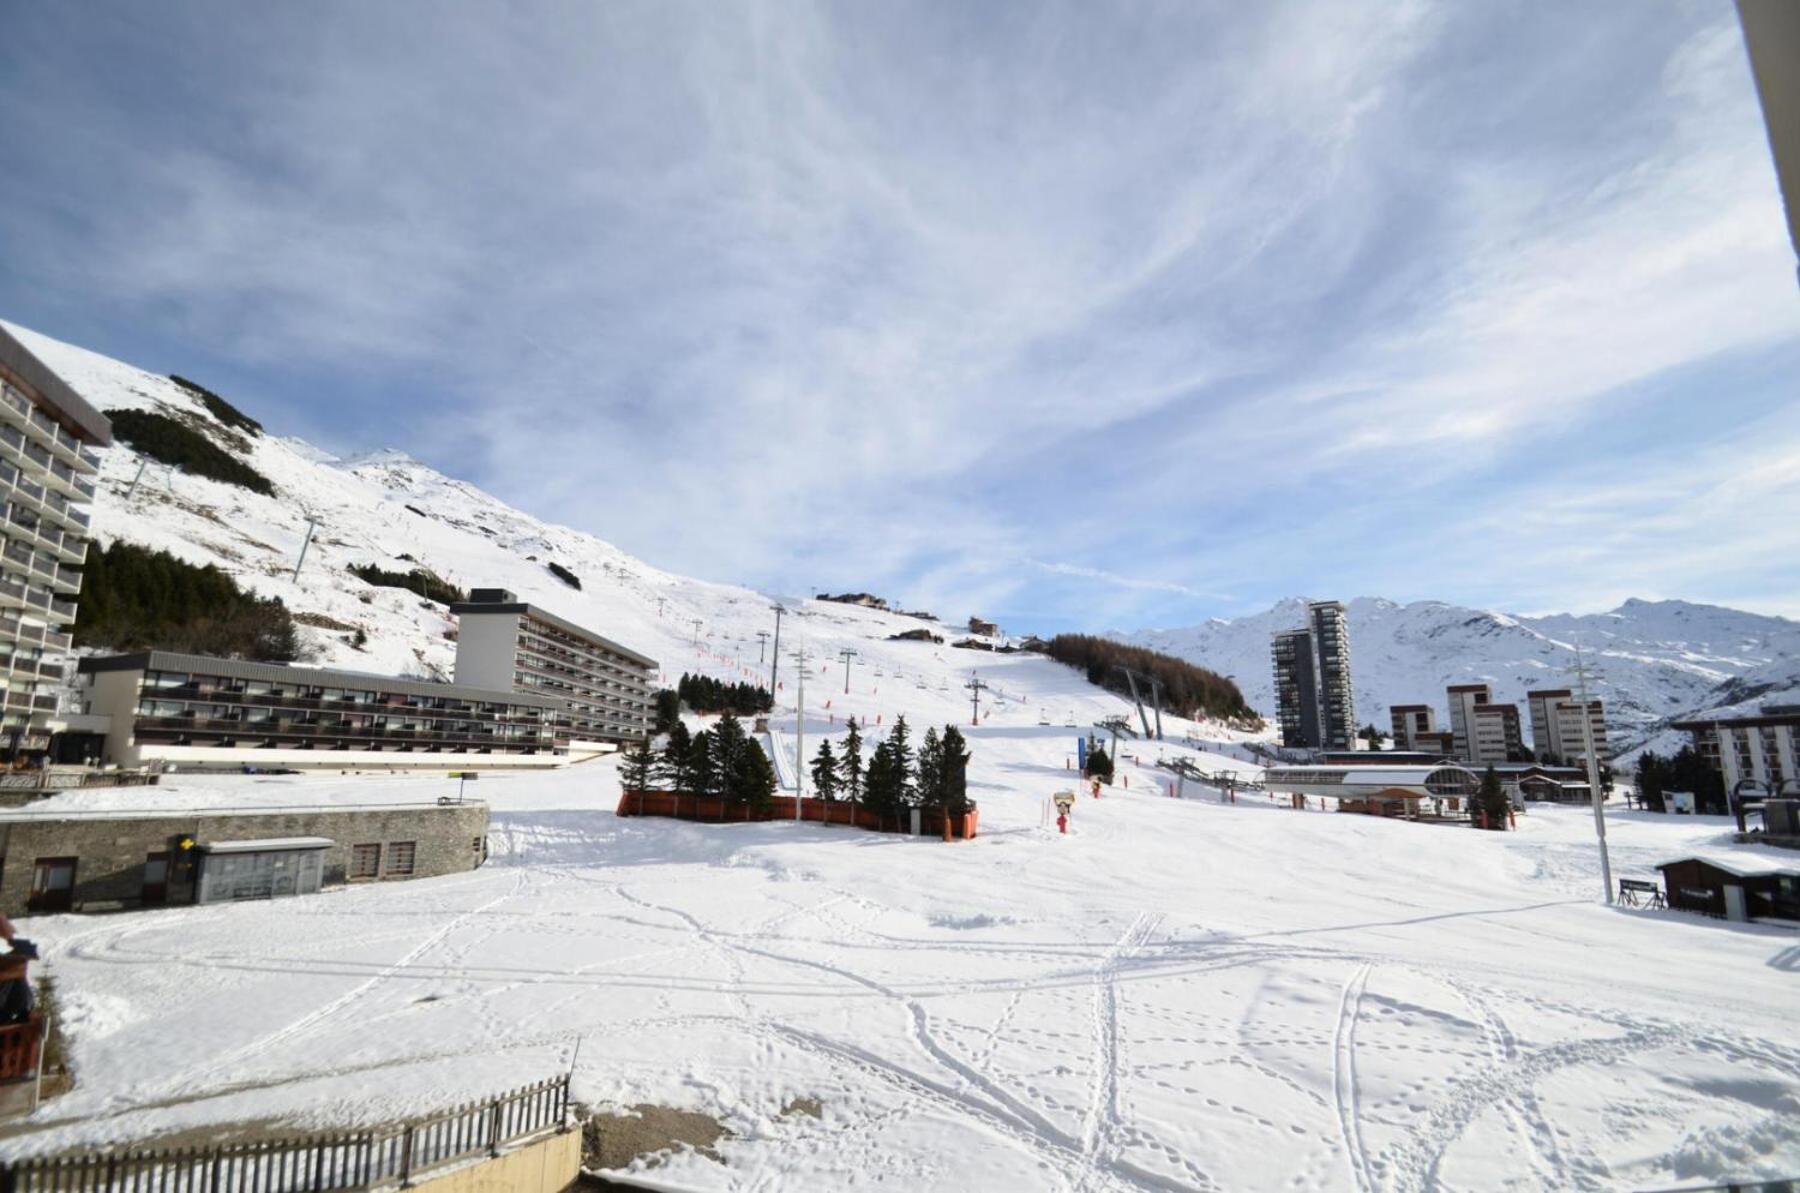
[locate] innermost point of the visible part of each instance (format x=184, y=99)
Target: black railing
x=309, y=1164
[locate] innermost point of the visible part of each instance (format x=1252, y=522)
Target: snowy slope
x=388, y=509
x=1655, y=659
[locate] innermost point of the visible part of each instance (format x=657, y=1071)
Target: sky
x=1080, y=316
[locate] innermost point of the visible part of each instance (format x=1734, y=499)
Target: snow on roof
x=267, y=845
x=1360, y=776
x=1746, y=867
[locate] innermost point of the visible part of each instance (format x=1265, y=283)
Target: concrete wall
x=549, y=1165
x=111, y=847
x=486, y=645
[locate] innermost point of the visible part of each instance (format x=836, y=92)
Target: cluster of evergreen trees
x=133, y=598
x=705, y=694
x=421, y=580
x=1187, y=690
x=896, y=777
x=723, y=761
x=1684, y=771
x=163, y=438
x=222, y=410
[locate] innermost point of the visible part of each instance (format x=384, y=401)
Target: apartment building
x=1464, y=699
x=1296, y=689
x=1758, y=748
x=1494, y=734
x=604, y=688
x=1411, y=722
x=194, y=712
x=48, y=437
x=1314, y=703
x=1331, y=660
x=1556, y=732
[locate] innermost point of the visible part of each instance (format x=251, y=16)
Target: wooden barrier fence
x=310, y=1164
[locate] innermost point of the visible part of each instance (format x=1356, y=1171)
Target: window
x=400, y=858
x=479, y=845
x=365, y=861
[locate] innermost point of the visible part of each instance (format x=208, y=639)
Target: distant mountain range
x=1656, y=660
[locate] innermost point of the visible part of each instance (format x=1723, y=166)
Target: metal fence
x=348, y=1160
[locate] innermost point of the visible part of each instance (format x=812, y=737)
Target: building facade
x=603, y=688
x=1296, y=689
x=193, y=712
x=1494, y=734
x=1556, y=735
x=118, y=860
x=1464, y=699
x=48, y=437
x=1757, y=749
x=1331, y=662
x=1411, y=722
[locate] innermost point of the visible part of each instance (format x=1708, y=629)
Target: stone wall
x=111, y=848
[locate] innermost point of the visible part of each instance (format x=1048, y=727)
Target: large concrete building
x=1494, y=734
x=194, y=712
x=1556, y=735
x=47, y=463
x=1314, y=701
x=1464, y=699
x=1755, y=751
x=1411, y=725
x=603, y=687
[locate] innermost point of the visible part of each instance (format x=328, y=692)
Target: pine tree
x=701, y=767
x=728, y=748
x=899, y=741
x=883, y=785
x=639, y=767
x=825, y=772
x=753, y=780
x=931, y=771
x=850, y=764
x=674, y=769
x=1099, y=764
x=956, y=770
x=1491, y=800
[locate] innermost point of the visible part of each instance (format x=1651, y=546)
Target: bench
x=1637, y=893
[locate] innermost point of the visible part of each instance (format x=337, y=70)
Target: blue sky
x=1075, y=315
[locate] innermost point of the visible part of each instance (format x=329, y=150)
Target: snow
x=1177, y=994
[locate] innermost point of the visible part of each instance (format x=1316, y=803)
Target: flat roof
x=164, y=660
x=1746, y=721
x=267, y=845
x=93, y=426
x=465, y=608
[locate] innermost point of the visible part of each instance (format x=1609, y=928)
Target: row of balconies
x=24, y=523
x=62, y=514
x=568, y=692
x=324, y=728
x=18, y=699
x=25, y=633
x=511, y=714
x=27, y=415
x=578, y=679
x=16, y=448
x=18, y=558
x=554, y=641
x=16, y=594
x=168, y=736
x=17, y=667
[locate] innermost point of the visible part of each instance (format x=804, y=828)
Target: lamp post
x=1593, y=770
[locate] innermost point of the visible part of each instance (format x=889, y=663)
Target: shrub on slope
x=423, y=581
x=133, y=598
x=1187, y=690
x=222, y=410
x=163, y=438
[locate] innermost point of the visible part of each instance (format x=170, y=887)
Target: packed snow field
x=1179, y=994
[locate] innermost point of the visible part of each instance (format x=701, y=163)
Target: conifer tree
x=883, y=785
x=850, y=764
x=1491, y=800
x=639, y=767
x=675, y=768
x=728, y=748
x=899, y=741
x=956, y=769
x=930, y=780
x=701, y=767
x=825, y=772
x=753, y=780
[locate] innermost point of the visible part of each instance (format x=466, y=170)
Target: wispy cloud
x=1206, y=304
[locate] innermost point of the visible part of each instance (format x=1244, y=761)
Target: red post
x=1062, y=822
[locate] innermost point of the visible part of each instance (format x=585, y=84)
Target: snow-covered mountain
x=391, y=510
x=1654, y=660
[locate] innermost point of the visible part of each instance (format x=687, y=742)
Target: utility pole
x=132, y=487
x=312, y=523
x=762, y=647
x=1593, y=770
x=976, y=687
x=775, y=654
x=846, y=654
x=697, y=624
